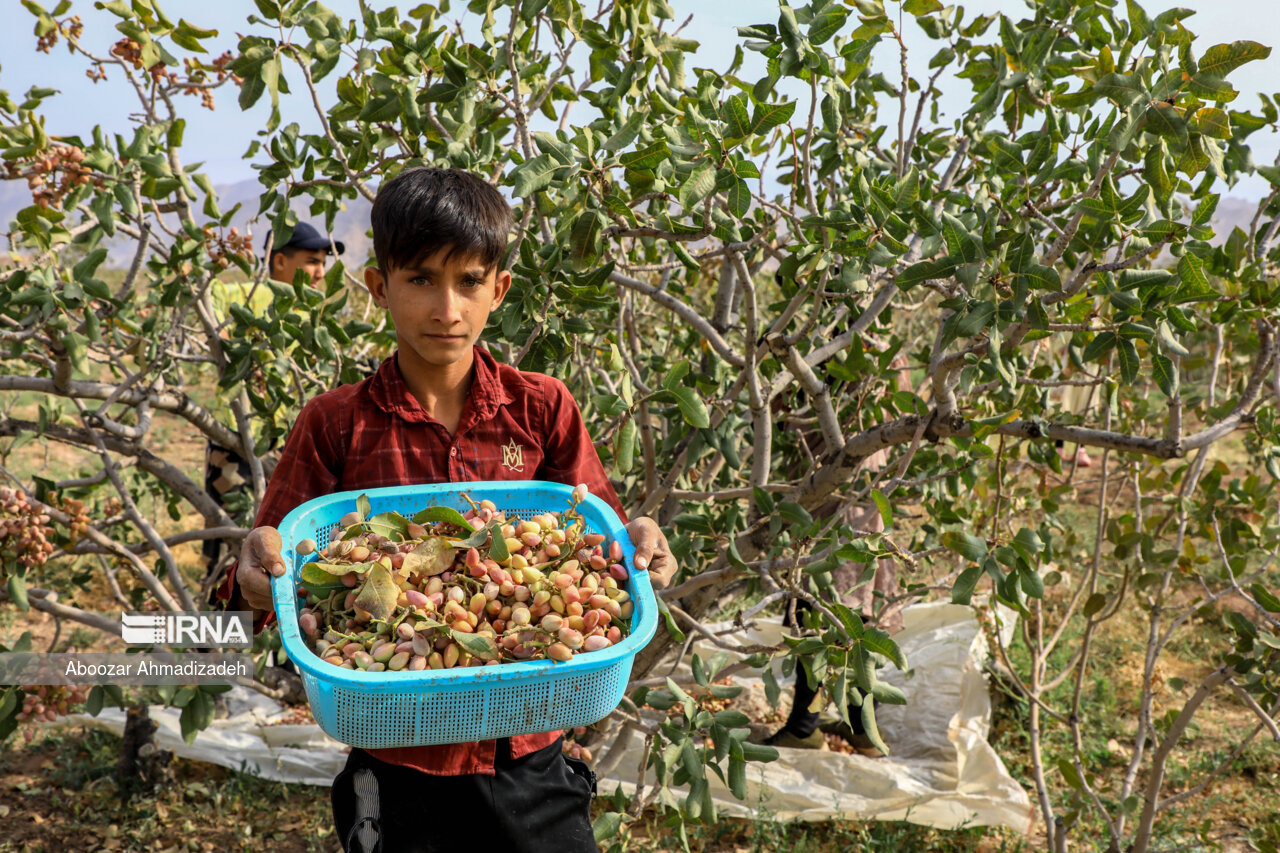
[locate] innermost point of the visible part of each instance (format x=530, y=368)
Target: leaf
x=498, y=546
x=1042, y=278
x=1221, y=59
x=1129, y=361
x=1099, y=346
x=882, y=504
x=1122, y=88
x=313, y=575
x=700, y=184
x=691, y=407
x=1265, y=599
x=962, y=591
x=584, y=239
x=196, y=716
x=627, y=133
x=921, y=7
x=1164, y=120
x=1069, y=774
x=393, y=522
x=533, y=175
x=433, y=556
x=875, y=640
x=915, y=274
x=769, y=116
x=18, y=592
x=1212, y=121
x=739, y=198
x=966, y=545
x=442, y=514
x=362, y=507
x=907, y=189
x=1165, y=375
x=1195, y=284
x=647, y=159
x=378, y=594
x=736, y=119
x=828, y=22
x=606, y=826
x=481, y=646
x=737, y=770
x=1032, y=584
x=869, y=726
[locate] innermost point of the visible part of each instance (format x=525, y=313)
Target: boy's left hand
x=652, y=551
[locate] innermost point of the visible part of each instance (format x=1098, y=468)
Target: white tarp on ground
x=942, y=771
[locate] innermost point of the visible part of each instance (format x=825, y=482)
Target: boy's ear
x=377, y=284
x=501, y=284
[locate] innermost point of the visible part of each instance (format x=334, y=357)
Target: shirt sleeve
x=569, y=455
x=310, y=466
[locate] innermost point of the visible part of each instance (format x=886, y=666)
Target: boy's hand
x=652, y=551
x=259, y=555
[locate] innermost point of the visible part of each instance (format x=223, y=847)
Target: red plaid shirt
x=515, y=426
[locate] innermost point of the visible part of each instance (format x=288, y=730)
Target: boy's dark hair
x=423, y=210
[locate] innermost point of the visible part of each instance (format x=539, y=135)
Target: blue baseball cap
x=307, y=237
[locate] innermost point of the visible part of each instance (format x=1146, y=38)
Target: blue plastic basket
x=374, y=710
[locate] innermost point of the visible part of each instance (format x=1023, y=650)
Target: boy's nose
x=447, y=307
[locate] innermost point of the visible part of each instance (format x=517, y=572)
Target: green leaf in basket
x=315, y=576
x=481, y=536
x=423, y=623
x=362, y=507
x=445, y=514
x=390, y=523
x=498, y=549
x=479, y=645
x=378, y=594
x=334, y=568
x=432, y=556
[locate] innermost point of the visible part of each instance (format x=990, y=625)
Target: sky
x=219, y=139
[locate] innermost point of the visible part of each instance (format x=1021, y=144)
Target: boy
x=441, y=409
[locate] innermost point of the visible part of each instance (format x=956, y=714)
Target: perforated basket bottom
x=458, y=715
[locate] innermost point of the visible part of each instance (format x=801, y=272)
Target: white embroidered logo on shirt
x=513, y=456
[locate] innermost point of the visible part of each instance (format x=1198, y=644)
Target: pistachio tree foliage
x=729, y=271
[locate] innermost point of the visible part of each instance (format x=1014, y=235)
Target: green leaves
x=532, y=175
x=647, y=158
x=481, y=646
x=691, y=406
x=763, y=118
x=1221, y=59
x=442, y=514
x=966, y=545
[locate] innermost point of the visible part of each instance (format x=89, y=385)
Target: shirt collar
x=391, y=394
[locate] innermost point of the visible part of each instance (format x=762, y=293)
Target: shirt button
x=453, y=451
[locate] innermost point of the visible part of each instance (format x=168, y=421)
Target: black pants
x=802, y=722
x=539, y=802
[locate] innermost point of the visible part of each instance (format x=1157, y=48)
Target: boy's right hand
x=259, y=555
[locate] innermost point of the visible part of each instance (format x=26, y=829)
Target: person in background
x=227, y=477
x=307, y=252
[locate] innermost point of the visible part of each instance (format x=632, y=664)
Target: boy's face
x=285, y=264
x=439, y=307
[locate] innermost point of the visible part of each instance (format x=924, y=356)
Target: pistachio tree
x=730, y=269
